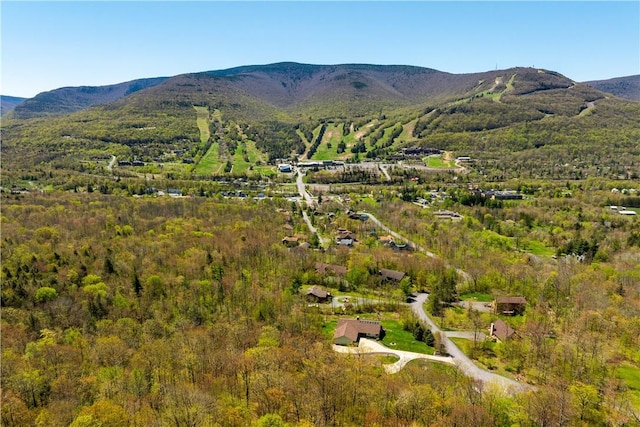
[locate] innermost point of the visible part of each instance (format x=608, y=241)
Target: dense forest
x=162, y=311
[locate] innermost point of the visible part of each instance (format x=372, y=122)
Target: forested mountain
x=276, y=112
x=8, y=103
x=624, y=87
x=69, y=99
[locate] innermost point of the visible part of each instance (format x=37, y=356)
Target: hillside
x=369, y=111
x=70, y=99
x=8, y=103
x=624, y=87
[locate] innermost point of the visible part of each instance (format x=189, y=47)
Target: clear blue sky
x=46, y=45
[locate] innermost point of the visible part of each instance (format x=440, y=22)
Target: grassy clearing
x=407, y=131
x=538, y=248
x=211, y=163
x=438, y=162
x=202, y=120
x=631, y=377
x=328, y=148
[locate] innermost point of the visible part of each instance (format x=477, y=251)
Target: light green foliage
x=45, y=294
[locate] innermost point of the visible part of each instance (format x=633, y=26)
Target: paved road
x=398, y=236
x=367, y=346
x=303, y=192
x=304, y=195
x=463, y=363
x=313, y=229
x=409, y=242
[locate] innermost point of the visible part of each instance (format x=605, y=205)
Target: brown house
x=509, y=305
x=290, y=241
x=392, y=274
x=501, y=331
x=316, y=294
x=333, y=269
x=350, y=331
x=345, y=234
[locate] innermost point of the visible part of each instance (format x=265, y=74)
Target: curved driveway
x=367, y=346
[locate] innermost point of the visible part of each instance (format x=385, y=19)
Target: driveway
x=367, y=346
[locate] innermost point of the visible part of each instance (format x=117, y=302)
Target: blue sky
x=46, y=45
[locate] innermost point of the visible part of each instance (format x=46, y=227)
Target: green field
x=631, y=377
x=328, y=148
x=202, y=120
x=438, y=162
x=211, y=163
x=538, y=248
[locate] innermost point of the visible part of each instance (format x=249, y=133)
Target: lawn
x=631, y=377
x=399, y=339
x=438, y=162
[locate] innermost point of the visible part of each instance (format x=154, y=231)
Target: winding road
x=463, y=362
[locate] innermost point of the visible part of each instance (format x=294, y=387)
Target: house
x=443, y=214
x=350, y=331
x=392, y=274
x=509, y=305
x=345, y=234
x=501, y=331
x=290, y=241
x=316, y=294
x=338, y=270
x=284, y=167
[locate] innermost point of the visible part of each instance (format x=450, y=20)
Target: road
x=461, y=360
x=304, y=195
x=302, y=190
x=463, y=363
x=111, y=163
x=409, y=242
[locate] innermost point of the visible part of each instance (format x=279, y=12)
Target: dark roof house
x=322, y=268
x=501, y=331
x=509, y=305
x=392, y=274
x=350, y=331
x=317, y=294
